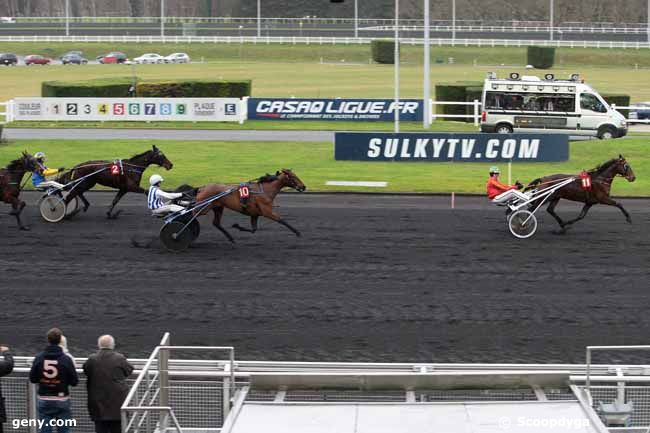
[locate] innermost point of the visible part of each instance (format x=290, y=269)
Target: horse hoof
x=24, y=228
x=298, y=234
x=629, y=220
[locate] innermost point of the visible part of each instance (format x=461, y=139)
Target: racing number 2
x=49, y=368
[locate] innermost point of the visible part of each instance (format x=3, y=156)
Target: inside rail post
x=32, y=410
x=163, y=379
x=427, y=67
x=476, y=112
x=510, y=172
x=588, y=379
x=225, y=392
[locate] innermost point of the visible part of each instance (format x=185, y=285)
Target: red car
x=36, y=60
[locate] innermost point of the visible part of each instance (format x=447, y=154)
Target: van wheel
x=606, y=132
x=503, y=128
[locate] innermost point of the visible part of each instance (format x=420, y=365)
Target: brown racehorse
x=601, y=184
x=126, y=178
x=260, y=203
x=10, y=183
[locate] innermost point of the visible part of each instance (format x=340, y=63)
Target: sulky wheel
x=194, y=227
x=52, y=208
x=72, y=207
x=174, y=238
x=522, y=224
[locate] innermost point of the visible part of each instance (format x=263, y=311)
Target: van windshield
x=547, y=102
x=591, y=102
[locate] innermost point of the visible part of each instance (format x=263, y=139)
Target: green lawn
x=287, y=70
x=202, y=162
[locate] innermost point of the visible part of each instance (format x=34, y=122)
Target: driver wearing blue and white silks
x=158, y=200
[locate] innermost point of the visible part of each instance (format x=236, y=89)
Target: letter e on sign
x=230, y=109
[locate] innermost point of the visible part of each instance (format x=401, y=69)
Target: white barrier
x=633, y=107
x=476, y=115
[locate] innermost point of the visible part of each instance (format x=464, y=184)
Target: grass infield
x=200, y=162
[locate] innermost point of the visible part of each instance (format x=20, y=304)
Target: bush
x=98, y=88
x=458, y=92
x=383, y=51
x=194, y=89
x=620, y=100
x=119, y=88
x=541, y=57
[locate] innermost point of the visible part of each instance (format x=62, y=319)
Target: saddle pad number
x=244, y=192
x=585, y=179
x=115, y=169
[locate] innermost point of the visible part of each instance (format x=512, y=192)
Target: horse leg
x=85, y=202
x=551, y=209
x=277, y=218
x=253, y=228
x=218, y=212
x=611, y=202
x=583, y=213
x=18, y=207
x=76, y=193
x=118, y=197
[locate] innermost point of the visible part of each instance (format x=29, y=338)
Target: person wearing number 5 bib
x=54, y=372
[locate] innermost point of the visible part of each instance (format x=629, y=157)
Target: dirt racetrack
x=374, y=278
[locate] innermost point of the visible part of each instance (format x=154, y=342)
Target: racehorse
x=260, y=202
x=601, y=184
x=10, y=183
x=124, y=175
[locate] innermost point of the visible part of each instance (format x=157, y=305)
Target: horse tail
x=65, y=177
x=187, y=190
x=533, y=184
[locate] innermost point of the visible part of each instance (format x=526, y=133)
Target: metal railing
x=6, y=111
x=633, y=107
x=322, y=40
x=155, y=401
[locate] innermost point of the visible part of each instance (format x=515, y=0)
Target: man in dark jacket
x=107, y=372
x=54, y=372
x=6, y=367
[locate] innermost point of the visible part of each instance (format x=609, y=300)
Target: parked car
x=8, y=59
x=177, y=58
x=76, y=53
x=7, y=20
x=35, y=59
x=112, y=58
x=73, y=59
x=641, y=113
x=149, y=58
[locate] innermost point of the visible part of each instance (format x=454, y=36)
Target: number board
x=130, y=109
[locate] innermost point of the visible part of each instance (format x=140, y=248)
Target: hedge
x=541, y=57
x=194, y=89
x=620, y=100
x=99, y=88
x=119, y=87
x=458, y=92
x=383, y=51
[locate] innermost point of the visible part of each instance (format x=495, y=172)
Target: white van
x=533, y=104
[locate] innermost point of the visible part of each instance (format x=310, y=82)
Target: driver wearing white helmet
x=39, y=179
x=156, y=198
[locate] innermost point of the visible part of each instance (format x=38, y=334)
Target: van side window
x=591, y=102
x=538, y=102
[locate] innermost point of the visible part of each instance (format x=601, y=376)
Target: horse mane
x=604, y=166
x=267, y=178
x=139, y=155
x=12, y=165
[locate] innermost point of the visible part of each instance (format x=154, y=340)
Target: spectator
x=54, y=372
x=107, y=372
x=6, y=367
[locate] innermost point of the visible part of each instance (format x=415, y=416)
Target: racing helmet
x=494, y=169
x=40, y=156
x=155, y=179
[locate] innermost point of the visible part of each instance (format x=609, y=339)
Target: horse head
x=624, y=169
x=30, y=163
x=155, y=156
x=290, y=179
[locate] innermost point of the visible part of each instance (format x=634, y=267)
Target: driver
x=501, y=193
x=39, y=179
x=156, y=197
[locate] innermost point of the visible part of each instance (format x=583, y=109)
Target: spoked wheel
x=522, y=224
x=174, y=238
x=72, y=207
x=194, y=227
x=52, y=208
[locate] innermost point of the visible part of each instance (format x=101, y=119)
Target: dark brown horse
x=124, y=175
x=10, y=183
x=260, y=203
x=601, y=185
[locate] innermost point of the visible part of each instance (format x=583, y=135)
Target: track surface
x=377, y=278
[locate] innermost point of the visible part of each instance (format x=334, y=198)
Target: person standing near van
x=54, y=372
x=6, y=367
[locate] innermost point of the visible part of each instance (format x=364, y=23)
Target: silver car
x=177, y=58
